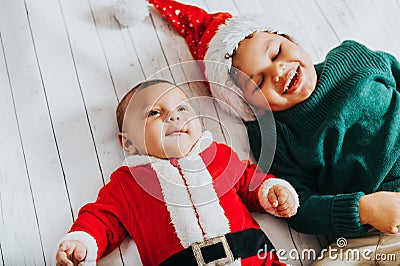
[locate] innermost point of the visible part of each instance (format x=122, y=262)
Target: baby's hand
x=70, y=253
x=282, y=201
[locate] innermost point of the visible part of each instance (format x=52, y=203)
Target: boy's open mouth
x=292, y=81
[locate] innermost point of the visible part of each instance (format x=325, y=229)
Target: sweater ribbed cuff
x=345, y=216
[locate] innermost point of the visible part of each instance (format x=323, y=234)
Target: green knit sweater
x=342, y=142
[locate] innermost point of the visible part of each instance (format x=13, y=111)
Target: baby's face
x=159, y=121
x=280, y=71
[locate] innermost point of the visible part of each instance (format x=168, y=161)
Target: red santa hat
x=214, y=38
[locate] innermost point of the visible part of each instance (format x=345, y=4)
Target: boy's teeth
x=288, y=83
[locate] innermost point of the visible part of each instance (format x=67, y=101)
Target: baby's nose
x=174, y=116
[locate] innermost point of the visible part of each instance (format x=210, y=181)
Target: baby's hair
x=123, y=104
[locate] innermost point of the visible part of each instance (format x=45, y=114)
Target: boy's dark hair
x=123, y=104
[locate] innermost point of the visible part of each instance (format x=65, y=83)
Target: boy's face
x=159, y=121
x=283, y=71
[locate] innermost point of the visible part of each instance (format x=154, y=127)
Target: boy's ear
x=126, y=144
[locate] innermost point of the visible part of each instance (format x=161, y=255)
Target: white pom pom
x=129, y=12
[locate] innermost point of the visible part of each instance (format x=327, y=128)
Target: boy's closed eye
x=276, y=53
x=259, y=84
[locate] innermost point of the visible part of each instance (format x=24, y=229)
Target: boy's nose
x=279, y=71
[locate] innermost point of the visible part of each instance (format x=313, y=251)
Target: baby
x=183, y=198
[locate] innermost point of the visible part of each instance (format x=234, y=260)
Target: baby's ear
x=126, y=144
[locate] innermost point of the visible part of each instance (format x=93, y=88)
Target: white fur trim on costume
x=179, y=205
x=88, y=241
x=205, y=199
x=225, y=42
x=263, y=193
x=129, y=12
x=138, y=159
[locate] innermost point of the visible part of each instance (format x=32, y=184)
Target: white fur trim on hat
x=265, y=187
x=218, y=64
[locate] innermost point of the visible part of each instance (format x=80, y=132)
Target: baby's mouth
x=292, y=81
x=175, y=132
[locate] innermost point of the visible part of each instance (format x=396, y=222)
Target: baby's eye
x=153, y=113
x=182, y=108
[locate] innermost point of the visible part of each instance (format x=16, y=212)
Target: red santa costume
x=167, y=206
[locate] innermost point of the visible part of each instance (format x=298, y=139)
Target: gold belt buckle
x=196, y=246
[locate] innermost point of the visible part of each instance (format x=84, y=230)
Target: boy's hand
x=381, y=210
x=70, y=253
x=282, y=201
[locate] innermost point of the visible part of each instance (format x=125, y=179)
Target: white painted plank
x=149, y=51
x=316, y=27
x=389, y=15
x=69, y=117
x=41, y=154
x=349, y=23
x=95, y=82
x=340, y=18
x=17, y=214
x=371, y=29
x=249, y=7
x=98, y=94
x=121, y=55
x=222, y=6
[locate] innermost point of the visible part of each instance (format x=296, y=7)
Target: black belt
x=223, y=249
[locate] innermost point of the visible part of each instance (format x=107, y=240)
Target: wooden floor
x=63, y=66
